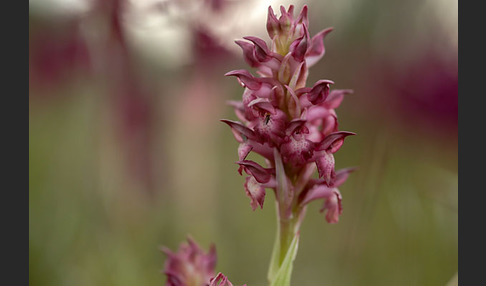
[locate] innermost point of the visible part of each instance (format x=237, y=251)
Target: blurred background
x=127, y=154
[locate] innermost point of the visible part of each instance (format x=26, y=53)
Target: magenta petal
x=293, y=106
x=330, y=123
x=333, y=141
x=294, y=126
x=299, y=47
x=261, y=174
x=263, y=104
x=317, y=50
x=220, y=280
x=335, y=98
x=317, y=112
x=333, y=207
x=243, y=150
x=261, y=50
x=286, y=17
x=248, y=53
x=245, y=78
x=299, y=77
x=342, y=175
x=319, y=91
x=325, y=167
x=240, y=131
x=284, y=71
x=297, y=150
x=317, y=192
x=255, y=191
x=237, y=104
x=273, y=25
x=302, y=18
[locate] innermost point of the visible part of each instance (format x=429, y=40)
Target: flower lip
x=333, y=206
x=255, y=191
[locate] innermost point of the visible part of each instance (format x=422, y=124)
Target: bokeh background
x=127, y=154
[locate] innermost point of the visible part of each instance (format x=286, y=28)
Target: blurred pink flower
x=189, y=266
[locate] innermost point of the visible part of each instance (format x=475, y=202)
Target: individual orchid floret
x=190, y=265
x=255, y=184
x=319, y=189
x=324, y=157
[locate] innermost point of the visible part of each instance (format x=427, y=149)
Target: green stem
x=285, y=248
x=287, y=230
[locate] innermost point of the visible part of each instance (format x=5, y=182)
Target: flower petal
x=261, y=174
x=261, y=51
x=263, y=104
x=240, y=131
x=294, y=105
x=245, y=78
x=302, y=18
x=220, y=280
x=342, y=175
x=317, y=50
x=319, y=91
x=335, y=98
x=273, y=25
x=325, y=167
x=295, y=125
x=333, y=141
x=243, y=150
x=298, y=48
x=248, y=53
x=315, y=193
x=333, y=207
x=255, y=191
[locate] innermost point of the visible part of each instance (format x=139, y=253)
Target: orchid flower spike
x=292, y=126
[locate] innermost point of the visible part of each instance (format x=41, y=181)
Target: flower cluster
x=292, y=126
